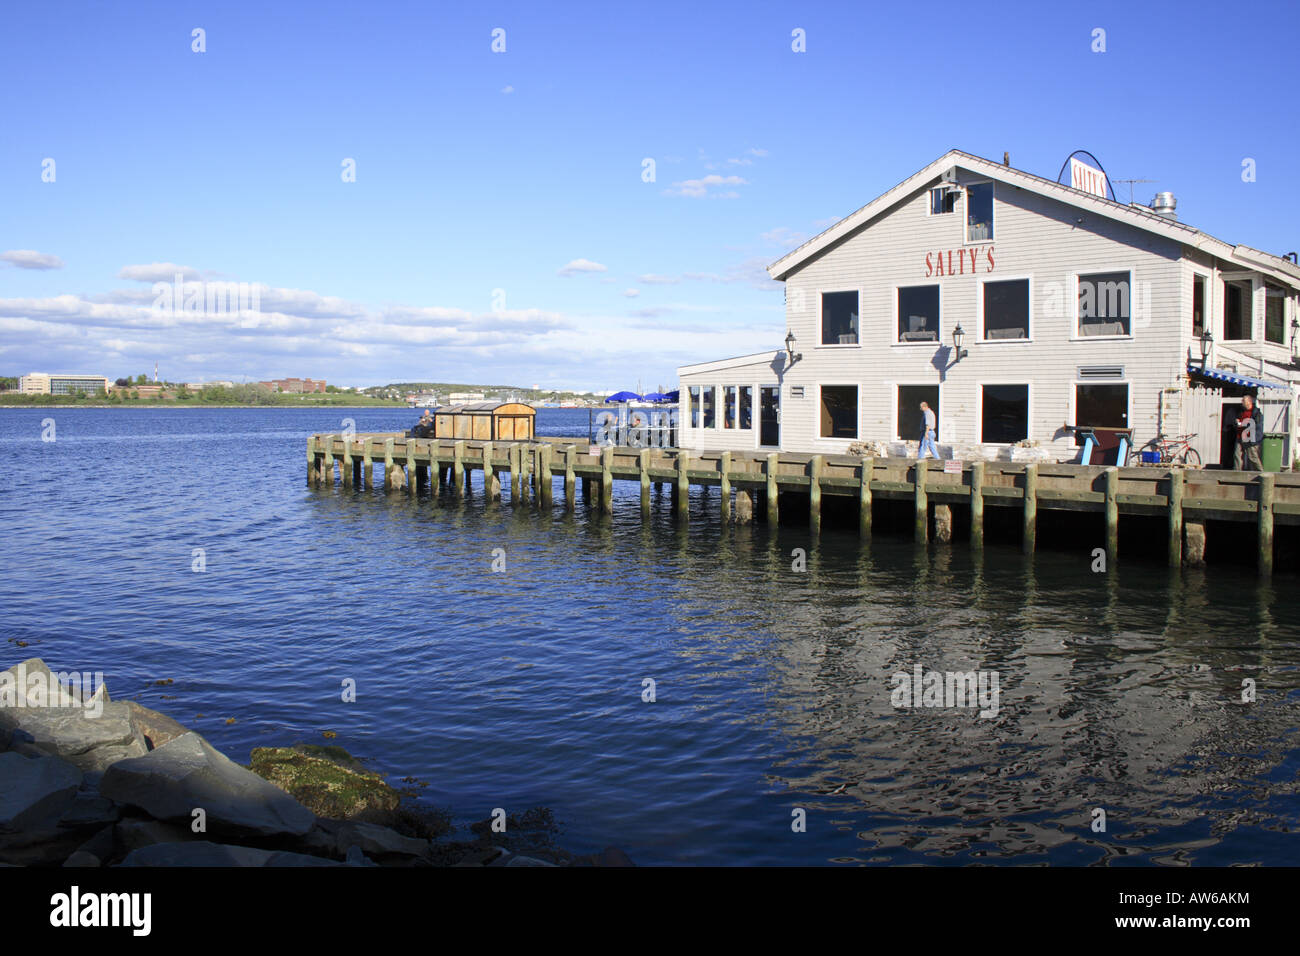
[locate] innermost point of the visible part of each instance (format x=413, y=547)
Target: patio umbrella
x=623, y=397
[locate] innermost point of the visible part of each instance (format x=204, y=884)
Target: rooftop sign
x=1086, y=176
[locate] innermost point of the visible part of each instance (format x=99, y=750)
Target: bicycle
x=1176, y=451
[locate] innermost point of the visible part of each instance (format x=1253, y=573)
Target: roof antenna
x=1006, y=159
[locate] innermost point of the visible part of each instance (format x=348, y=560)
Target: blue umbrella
x=623, y=397
x=657, y=397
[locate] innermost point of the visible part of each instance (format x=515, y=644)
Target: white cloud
x=699, y=188
x=631, y=293
x=31, y=259
x=652, y=279
x=158, y=272
x=578, y=266
x=784, y=236
x=507, y=89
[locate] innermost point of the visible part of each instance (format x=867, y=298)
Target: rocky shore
x=87, y=781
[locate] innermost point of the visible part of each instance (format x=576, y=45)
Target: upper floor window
x=1105, y=303
x=942, y=200
x=918, y=313
x=979, y=212
x=1236, y=310
x=1006, y=309
x=1274, y=314
x=1198, y=306
x=839, y=318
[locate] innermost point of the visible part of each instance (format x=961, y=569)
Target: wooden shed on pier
x=485, y=421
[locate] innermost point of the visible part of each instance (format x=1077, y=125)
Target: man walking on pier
x=1250, y=435
x=928, y=426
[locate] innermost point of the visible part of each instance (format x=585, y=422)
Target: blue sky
x=479, y=171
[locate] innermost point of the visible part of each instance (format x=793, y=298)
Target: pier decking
x=1186, y=498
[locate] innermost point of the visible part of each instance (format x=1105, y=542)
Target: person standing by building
x=928, y=426
x=1250, y=435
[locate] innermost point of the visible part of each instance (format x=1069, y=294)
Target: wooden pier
x=1187, y=499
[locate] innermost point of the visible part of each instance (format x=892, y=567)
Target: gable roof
x=1139, y=216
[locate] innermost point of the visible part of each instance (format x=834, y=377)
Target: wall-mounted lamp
x=789, y=349
x=1295, y=339
x=959, y=336
x=1207, y=345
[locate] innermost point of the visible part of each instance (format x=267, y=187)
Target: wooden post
x=724, y=484
x=607, y=480
x=491, y=479
x=368, y=463
x=524, y=476
x=864, y=497
x=977, y=504
x=1194, y=536
x=1112, y=514
x=388, y=464
x=345, y=469
x=544, y=483
x=682, y=490
x=773, y=494
x=815, y=494
x=943, y=523
x=458, y=469
x=311, y=462
x=327, y=462
x=921, y=522
x=1175, y=517
x=1266, y=523
x=744, y=506
x=569, y=482
x=643, y=462
x=1030, y=532
x=411, y=467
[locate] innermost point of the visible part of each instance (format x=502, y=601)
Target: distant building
x=295, y=386
x=455, y=397
x=54, y=383
x=199, y=386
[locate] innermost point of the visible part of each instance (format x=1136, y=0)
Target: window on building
x=1006, y=309
x=839, y=411
x=1101, y=406
x=693, y=397
x=708, y=414
x=1004, y=416
x=942, y=200
x=839, y=318
x=1274, y=314
x=918, y=313
x=1236, y=310
x=1105, y=303
x=746, y=406
x=729, y=406
x=979, y=212
x=1198, y=306
x=911, y=422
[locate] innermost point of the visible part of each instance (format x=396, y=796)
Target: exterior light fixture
x=1295, y=339
x=1207, y=345
x=789, y=349
x=959, y=336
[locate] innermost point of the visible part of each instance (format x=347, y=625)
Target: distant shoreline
x=188, y=405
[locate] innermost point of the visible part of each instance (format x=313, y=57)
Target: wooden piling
x=977, y=504
x=921, y=521
x=724, y=484
x=311, y=462
x=491, y=477
x=345, y=469
x=943, y=523
x=569, y=490
x=327, y=462
x=368, y=463
x=1194, y=543
x=545, y=484
x=1029, y=535
x=773, y=495
x=1175, y=517
x=1112, y=514
x=412, y=466
x=682, y=489
x=815, y=494
x=1266, y=485
x=388, y=464
x=864, y=497
x=607, y=480
x=458, y=469
x=643, y=464
x=744, y=506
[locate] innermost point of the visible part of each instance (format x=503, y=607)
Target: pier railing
x=1185, y=498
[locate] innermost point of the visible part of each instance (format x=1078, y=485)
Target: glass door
x=769, y=403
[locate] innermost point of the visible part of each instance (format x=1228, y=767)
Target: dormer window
x=942, y=200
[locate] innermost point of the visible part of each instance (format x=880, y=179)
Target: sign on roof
x=1083, y=176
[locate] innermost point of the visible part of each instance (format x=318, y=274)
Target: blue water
x=1118, y=691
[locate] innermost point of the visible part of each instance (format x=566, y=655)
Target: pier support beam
x=773, y=495
x=943, y=523
x=1194, y=543
x=1029, y=536
x=607, y=480
x=327, y=462
x=311, y=462
x=345, y=469
x=1266, y=480
x=921, y=522
x=864, y=498
x=977, y=504
x=569, y=490
x=544, y=480
x=744, y=506
x=682, y=490
x=388, y=464
x=491, y=479
x=815, y=494
x=368, y=463
x=724, y=484
x=1175, y=517
x=458, y=469
x=643, y=463
x=412, y=469
x=1112, y=515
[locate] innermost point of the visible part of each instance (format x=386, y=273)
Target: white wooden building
x=1073, y=310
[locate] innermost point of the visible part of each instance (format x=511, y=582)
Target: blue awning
x=1234, y=378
